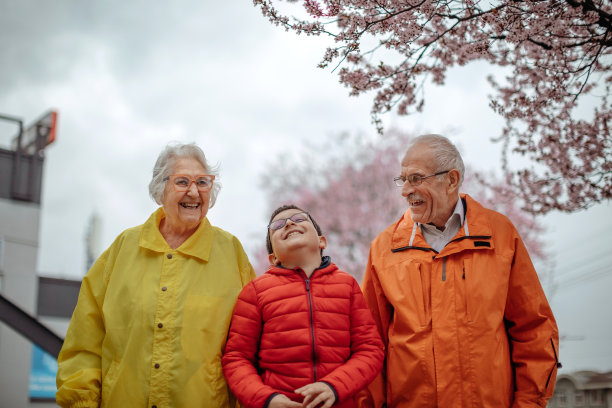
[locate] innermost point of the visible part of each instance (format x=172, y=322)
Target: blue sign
x=42, y=374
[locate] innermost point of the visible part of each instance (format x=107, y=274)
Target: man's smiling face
x=434, y=199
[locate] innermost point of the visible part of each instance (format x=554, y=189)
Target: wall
x=19, y=234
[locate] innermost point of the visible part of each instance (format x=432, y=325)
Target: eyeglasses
x=280, y=223
x=182, y=182
x=415, y=179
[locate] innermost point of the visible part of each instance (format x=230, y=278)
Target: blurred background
x=126, y=78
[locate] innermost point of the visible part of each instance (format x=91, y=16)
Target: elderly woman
x=154, y=310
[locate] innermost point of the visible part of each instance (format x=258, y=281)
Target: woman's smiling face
x=185, y=209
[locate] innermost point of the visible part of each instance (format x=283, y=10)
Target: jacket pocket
x=408, y=283
x=421, y=295
x=466, y=279
x=109, y=380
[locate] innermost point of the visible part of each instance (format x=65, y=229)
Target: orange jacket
x=467, y=327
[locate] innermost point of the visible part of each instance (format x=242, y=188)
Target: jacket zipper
x=557, y=364
x=404, y=248
x=470, y=237
x=466, y=295
x=314, y=362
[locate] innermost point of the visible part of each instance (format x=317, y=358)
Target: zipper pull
x=307, y=284
x=463, y=277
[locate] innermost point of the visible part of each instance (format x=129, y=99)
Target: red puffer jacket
x=289, y=331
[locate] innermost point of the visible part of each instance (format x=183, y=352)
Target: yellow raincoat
x=151, y=322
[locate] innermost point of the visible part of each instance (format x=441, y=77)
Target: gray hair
x=446, y=155
x=166, y=161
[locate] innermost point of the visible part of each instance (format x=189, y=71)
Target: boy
x=301, y=334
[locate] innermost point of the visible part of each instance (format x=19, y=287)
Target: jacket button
x=156, y=365
x=160, y=325
x=169, y=256
x=164, y=288
x=154, y=406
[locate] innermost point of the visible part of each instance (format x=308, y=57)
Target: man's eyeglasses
x=280, y=223
x=415, y=179
x=182, y=182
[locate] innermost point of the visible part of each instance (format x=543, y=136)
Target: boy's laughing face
x=294, y=238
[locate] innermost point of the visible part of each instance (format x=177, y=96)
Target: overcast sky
x=129, y=77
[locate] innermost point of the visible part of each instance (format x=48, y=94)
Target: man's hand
x=281, y=401
x=317, y=393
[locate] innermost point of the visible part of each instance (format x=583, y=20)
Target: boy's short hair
x=281, y=209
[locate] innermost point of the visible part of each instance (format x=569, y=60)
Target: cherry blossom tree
x=347, y=185
x=557, y=53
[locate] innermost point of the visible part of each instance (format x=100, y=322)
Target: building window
x=596, y=397
x=562, y=399
x=579, y=399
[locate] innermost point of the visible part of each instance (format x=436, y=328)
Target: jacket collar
x=475, y=228
x=198, y=245
x=327, y=266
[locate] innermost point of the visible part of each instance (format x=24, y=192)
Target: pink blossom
x=347, y=186
x=559, y=52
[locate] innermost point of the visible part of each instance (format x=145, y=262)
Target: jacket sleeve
x=375, y=395
x=239, y=359
x=532, y=332
x=79, y=364
x=367, y=351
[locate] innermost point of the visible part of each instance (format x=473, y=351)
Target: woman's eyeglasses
x=182, y=182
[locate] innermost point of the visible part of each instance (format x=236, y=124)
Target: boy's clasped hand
x=314, y=394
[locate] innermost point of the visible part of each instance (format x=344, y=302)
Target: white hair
x=446, y=155
x=166, y=161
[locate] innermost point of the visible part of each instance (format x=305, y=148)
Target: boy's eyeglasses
x=280, y=223
x=182, y=182
x=415, y=179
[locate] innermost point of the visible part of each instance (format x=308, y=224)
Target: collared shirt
x=438, y=239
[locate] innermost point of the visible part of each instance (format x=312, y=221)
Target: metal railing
x=29, y=327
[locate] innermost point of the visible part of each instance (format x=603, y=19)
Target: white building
x=21, y=311
x=583, y=389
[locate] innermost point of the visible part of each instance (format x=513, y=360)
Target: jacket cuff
x=525, y=401
x=85, y=404
x=274, y=394
x=333, y=389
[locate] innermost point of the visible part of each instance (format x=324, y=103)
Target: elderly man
x=456, y=298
